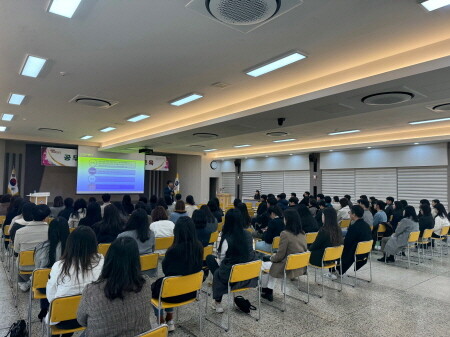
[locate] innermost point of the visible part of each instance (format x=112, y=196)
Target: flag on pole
x=13, y=186
x=177, y=185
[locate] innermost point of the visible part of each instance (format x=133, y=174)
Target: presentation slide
x=106, y=175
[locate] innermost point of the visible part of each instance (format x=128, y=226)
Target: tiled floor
x=399, y=302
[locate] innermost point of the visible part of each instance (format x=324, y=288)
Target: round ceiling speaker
x=50, y=130
x=276, y=134
x=94, y=102
x=388, y=98
x=442, y=107
x=205, y=135
x=243, y=12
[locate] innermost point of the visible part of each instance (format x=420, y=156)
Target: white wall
x=2, y=165
x=402, y=156
x=283, y=163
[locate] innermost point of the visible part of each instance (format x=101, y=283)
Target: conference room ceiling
x=144, y=54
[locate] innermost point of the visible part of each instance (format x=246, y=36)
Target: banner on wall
x=55, y=156
x=156, y=163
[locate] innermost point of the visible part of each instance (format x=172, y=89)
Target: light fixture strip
x=239, y=146
x=64, y=8
x=209, y=150
x=86, y=137
x=107, y=129
x=343, y=132
x=16, y=99
x=2, y=128
x=430, y=121
x=137, y=118
x=284, y=140
x=33, y=66
x=431, y=5
x=7, y=117
x=186, y=99
x=277, y=64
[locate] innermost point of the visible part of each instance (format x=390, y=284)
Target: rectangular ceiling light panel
x=7, y=117
x=186, y=99
x=86, y=137
x=33, y=66
x=107, y=129
x=343, y=132
x=431, y=5
x=284, y=140
x=64, y=8
x=16, y=99
x=277, y=64
x=430, y=121
x=2, y=128
x=137, y=118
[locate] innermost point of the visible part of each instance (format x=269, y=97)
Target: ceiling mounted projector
x=243, y=15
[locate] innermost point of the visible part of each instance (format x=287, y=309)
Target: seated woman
x=397, y=214
x=118, y=303
x=190, y=205
x=178, y=212
x=214, y=208
x=440, y=220
x=246, y=219
x=111, y=225
x=162, y=227
x=309, y=224
x=211, y=221
x=93, y=215
x=236, y=246
x=273, y=229
x=185, y=257
x=203, y=234
x=79, y=266
x=23, y=219
x=78, y=213
x=50, y=251
x=330, y=235
x=426, y=220
x=343, y=213
x=292, y=241
x=397, y=241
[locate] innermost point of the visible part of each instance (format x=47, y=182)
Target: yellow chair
x=38, y=281
x=5, y=239
x=330, y=256
x=161, y=331
x=380, y=232
x=345, y=223
x=63, y=309
x=149, y=261
x=249, y=205
x=311, y=237
x=163, y=243
x=220, y=226
x=391, y=218
x=25, y=259
x=213, y=238
x=363, y=248
x=413, y=239
x=2, y=219
x=294, y=262
x=71, y=229
x=424, y=241
x=208, y=250
x=103, y=248
x=275, y=246
x=442, y=235
x=179, y=285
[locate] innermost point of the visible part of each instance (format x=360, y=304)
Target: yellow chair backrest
x=214, y=237
x=149, y=261
x=208, y=250
x=381, y=228
x=297, y=261
x=103, y=248
x=445, y=230
x=220, y=226
x=163, y=243
x=179, y=285
x=40, y=278
x=413, y=236
x=71, y=229
x=276, y=242
x=2, y=219
x=161, y=331
x=257, y=204
x=245, y=271
x=249, y=205
x=345, y=223
x=364, y=247
x=391, y=218
x=26, y=258
x=427, y=234
x=6, y=229
x=64, y=308
x=333, y=253
x=311, y=237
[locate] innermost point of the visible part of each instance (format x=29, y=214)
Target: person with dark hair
x=367, y=216
x=327, y=200
x=344, y=211
x=313, y=206
x=4, y=203
x=217, y=201
x=273, y=229
x=58, y=206
x=293, y=202
x=184, y=257
x=294, y=195
x=203, y=234
x=143, y=198
x=425, y=201
x=79, y=266
x=380, y=216
x=106, y=198
x=93, y=215
x=358, y=231
x=363, y=196
x=440, y=220
x=426, y=220
x=236, y=246
x=117, y=304
x=212, y=205
x=78, y=213
x=261, y=220
x=161, y=226
x=211, y=221
x=305, y=200
x=169, y=192
x=23, y=219
x=257, y=195
x=127, y=205
x=349, y=199
x=178, y=212
x=153, y=202
x=336, y=205
x=68, y=209
x=434, y=203
x=138, y=228
x=122, y=213
x=397, y=214
x=319, y=197
x=404, y=202
x=389, y=207
x=397, y=241
x=13, y=209
x=110, y=226
x=178, y=197
x=322, y=205
x=50, y=251
x=146, y=208
x=309, y=223
x=161, y=202
x=292, y=241
x=372, y=208
x=92, y=199
x=282, y=202
x=272, y=202
x=246, y=219
x=330, y=235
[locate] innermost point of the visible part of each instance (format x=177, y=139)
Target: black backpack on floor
x=18, y=329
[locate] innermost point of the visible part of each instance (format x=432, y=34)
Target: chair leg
x=409, y=261
x=370, y=265
x=29, y=312
x=340, y=264
x=323, y=291
x=258, y=289
x=307, y=282
x=230, y=295
x=354, y=269
x=199, y=314
x=284, y=293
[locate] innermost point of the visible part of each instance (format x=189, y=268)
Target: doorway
x=213, y=184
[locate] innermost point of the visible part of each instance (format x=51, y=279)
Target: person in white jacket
x=79, y=212
x=79, y=266
x=344, y=212
x=441, y=219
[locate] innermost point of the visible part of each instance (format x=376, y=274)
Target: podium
x=39, y=198
x=224, y=199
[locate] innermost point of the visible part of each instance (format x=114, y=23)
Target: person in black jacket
x=397, y=214
x=273, y=229
x=358, y=231
x=68, y=209
x=169, y=192
x=107, y=230
x=389, y=206
x=309, y=224
x=426, y=220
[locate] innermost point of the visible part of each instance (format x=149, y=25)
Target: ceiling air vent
x=94, y=102
x=388, y=98
x=50, y=130
x=441, y=107
x=243, y=15
x=205, y=135
x=276, y=134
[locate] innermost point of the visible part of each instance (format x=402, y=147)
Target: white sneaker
x=330, y=276
x=217, y=307
x=171, y=325
x=24, y=286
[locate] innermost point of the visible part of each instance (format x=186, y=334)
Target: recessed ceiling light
x=388, y=98
x=431, y=5
x=64, y=8
x=239, y=146
x=205, y=135
x=186, y=99
x=267, y=156
x=369, y=147
x=7, y=117
x=276, y=134
x=290, y=154
x=416, y=143
x=86, y=137
x=330, y=150
x=33, y=66
x=16, y=99
x=276, y=64
x=284, y=140
x=343, y=132
x=441, y=107
x=210, y=150
x=2, y=128
x=137, y=118
x=107, y=129
x=431, y=121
